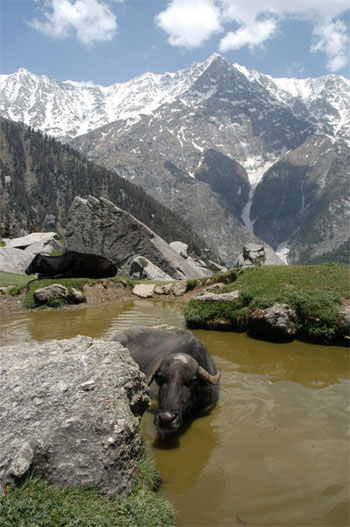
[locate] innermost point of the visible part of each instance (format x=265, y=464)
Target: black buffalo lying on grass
x=72, y=264
x=180, y=372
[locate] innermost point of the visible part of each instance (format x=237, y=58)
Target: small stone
x=144, y=290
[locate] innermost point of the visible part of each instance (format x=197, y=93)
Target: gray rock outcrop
x=46, y=295
x=257, y=254
x=98, y=226
x=36, y=242
x=143, y=269
x=276, y=322
x=17, y=253
x=218, y=297
x=343, y=323
x=180, y=247
x=14, y=260
x=71, y=411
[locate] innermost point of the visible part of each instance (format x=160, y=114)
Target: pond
x=275, y=449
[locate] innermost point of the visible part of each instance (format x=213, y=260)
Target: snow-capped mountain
x=236, y=153
x=70, y=109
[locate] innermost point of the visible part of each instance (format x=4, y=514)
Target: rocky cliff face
x=40, y=177
x=303, y=200
x=71, y=412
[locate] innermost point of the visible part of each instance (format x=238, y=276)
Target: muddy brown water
x=275, y=449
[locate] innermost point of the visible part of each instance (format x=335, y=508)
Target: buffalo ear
x=205, y=375
x=155, y=370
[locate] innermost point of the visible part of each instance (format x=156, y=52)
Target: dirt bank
x=102, y=292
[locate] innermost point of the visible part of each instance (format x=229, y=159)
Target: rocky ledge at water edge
x=70, y=411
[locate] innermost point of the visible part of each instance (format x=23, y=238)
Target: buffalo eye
x=191, y=382
x=160, y=379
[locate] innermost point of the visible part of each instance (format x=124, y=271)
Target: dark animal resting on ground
x=72, y=264
x=178, y=368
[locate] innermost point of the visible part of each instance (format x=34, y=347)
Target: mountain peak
x=69, y=108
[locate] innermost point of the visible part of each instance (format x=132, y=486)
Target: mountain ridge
x=216, y=143
x=143, y=95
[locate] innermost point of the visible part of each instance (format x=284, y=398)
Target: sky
x=110, y=41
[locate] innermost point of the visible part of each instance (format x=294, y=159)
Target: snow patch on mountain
x=256, y=168
x=69, y=108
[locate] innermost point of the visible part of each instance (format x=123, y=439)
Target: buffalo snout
x=167, y=420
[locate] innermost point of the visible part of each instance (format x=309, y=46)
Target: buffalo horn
x=204, y=374
x=154, y=373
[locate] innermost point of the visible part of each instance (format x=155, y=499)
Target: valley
x=239, y=156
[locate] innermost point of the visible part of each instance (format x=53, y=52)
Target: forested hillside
x=40, y=178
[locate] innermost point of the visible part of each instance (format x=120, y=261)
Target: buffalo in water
x=72, y=264
x=181, y=374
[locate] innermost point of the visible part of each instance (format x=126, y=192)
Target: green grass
x=35, y=503
x=18, y=281
x=69, y=283
x=275, y=280
x=314, y=292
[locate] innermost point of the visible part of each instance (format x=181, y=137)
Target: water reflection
x=98, y=321
x=312, y=365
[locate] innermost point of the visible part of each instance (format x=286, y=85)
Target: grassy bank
x=18, y=281
x=69, y=283
x=314, y=292
x=36, y=503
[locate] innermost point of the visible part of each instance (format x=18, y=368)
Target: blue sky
x=108, y=41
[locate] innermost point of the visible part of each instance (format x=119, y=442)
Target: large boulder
x=55, y=292
x=17, y=253
x=143, y=269
x=277, y=322
x=14, y=260
x=257, y=254
x=71, y=411
x=35, y=242
x=98, y=226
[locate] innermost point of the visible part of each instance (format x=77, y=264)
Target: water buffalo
x=72, y=264
x=180, y=372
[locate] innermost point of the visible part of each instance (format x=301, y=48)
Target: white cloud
x=251, y=36
x=90, y=21
x=252, y=22
x=189, y=22
x=333, y=40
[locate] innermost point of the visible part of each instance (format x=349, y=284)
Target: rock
x=144, y=290
x=17, y=253
x=180, y=288
x=217, y=267
x=143, y=269
x=98, y=226
x=40, y=239
x=215, y=297
x=343, y=323
x=276, y=322
x=70, y=411
x=254, y=254
x=181, y=248
x=45, y=294
x=77, y=296
x=166, y=289
x=14, y=260
x=49, y=223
